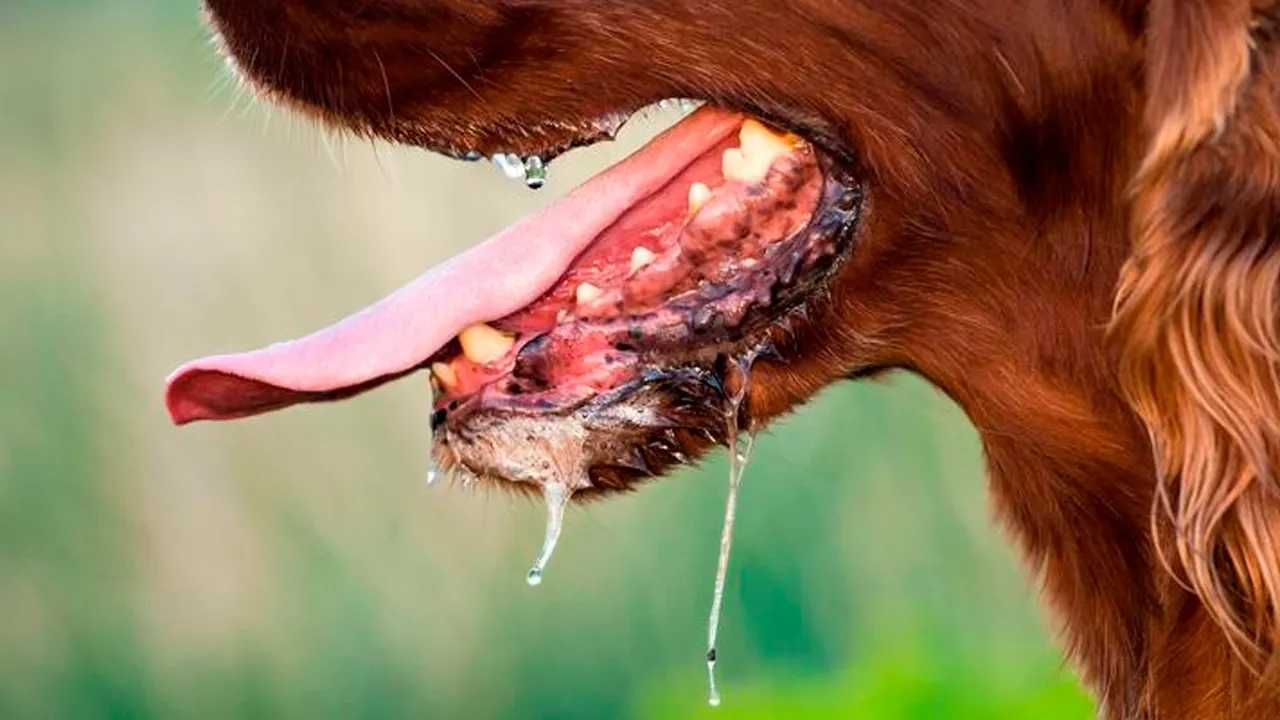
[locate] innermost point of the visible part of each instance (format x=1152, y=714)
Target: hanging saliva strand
x=737, y=383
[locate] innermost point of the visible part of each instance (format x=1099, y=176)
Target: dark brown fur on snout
x=1035, y=173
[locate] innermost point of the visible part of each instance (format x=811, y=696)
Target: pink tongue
x=395, y=335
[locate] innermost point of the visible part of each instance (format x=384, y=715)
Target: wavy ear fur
x=1197, y=321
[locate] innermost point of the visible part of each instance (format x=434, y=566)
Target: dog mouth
x=601, y=341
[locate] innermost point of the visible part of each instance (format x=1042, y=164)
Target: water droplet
x=713, y=695
x=556, y=495
x=535, y=173
x=688, y=106
x=472, y=156
x=433, y=475
x=510, y=165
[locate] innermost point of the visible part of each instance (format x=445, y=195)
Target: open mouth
x=600, y=341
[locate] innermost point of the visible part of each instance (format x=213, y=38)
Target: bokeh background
x=297, y=565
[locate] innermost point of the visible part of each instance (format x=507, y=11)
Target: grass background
x=296, y=565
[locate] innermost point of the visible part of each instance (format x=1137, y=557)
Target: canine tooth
x=445, y=374
x=588, y=293
x=699, y=194
x=737, y=165
x=640, y=257
x=756, y=134
x=483, y=344
x=731, y=165
x=760, y=147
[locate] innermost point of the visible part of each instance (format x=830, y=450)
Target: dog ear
x=1197, y=320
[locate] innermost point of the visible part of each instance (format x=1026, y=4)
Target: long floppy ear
x=1197, y=318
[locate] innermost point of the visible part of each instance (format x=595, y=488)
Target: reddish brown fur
x=1015, y=155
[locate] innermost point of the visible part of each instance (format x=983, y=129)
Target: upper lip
x=575, y=133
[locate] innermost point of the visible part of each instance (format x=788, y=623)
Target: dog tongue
x=395, y=335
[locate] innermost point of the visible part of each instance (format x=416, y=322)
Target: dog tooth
x=750, y=165
x=640, y=257
x=699, y=194
x=756, y=134
x=737, y=165
x=445, y=374
x=731, y=164
x=483, y=344
x=760, y=147
x=588, y=293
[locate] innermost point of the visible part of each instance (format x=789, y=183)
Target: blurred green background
x=297, y=565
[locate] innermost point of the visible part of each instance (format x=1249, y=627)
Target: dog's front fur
x=1037, y=172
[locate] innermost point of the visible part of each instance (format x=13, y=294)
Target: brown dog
x=970, y=189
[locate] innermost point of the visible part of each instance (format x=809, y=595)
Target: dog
x=1065, y=214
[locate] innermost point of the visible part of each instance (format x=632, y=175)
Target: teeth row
x=759, y=148
x=586, y=293
x=531, y=171
x=750, y=162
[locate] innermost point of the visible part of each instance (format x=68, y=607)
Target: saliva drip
x=535, y=173
x=509, y=165
x=739, y=455
x=532, y=171
x=556, y=495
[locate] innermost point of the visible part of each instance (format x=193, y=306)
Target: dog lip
x=575, y=137
x=566, y=135
x=668, y=407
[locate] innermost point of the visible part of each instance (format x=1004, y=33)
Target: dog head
x=947, y=187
